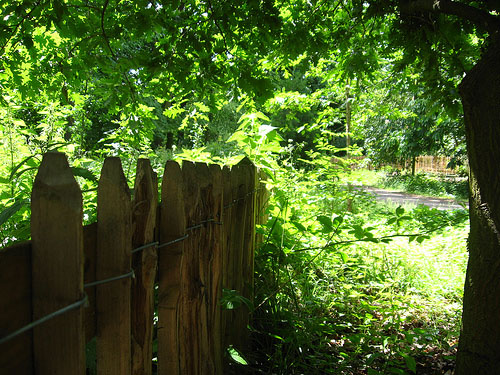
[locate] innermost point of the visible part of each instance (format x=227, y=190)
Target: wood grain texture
x=172, y=227
x=201, y=282
x=144, y=262
x=90, y=253
x=114, y=240
x=57, y=268
x=16, y=355
x=227, y=266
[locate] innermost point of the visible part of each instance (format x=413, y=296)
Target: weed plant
x=346, y=285
x=427, y=184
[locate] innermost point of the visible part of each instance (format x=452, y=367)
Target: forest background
x=298, y=87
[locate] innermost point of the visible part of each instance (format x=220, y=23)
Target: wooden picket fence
x=425, y=163
x=181, y=253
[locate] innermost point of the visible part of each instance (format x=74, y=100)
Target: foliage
x=333, y=297
x=123, y=78
x=428, y=185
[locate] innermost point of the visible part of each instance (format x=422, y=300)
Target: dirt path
x=406, y=198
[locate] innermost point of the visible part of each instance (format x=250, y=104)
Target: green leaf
x=343, y=256
x=299, y=226
x=326, y=222
x=422, y=238
x=16, y=168
x=410, y=362
x=236, y=356
x=84, y=172
x=10, y=211
x=400, y=211
x=372, y=357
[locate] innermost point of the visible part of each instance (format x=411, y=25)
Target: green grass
x=422, y=183
x=339, y=301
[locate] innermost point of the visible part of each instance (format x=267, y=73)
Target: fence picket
x=144, y=263
x=172, y=227
x=244, y=241
x=227, y=275
x=113, y=259
x=247, y=273
x=15, y=307
x=214, y=266
x=192, y=286
x=205, y=232
x=90, y=252
x=57, y=268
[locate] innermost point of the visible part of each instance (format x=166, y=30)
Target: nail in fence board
x=57, y=261
x=144, y=263
x=114, y=241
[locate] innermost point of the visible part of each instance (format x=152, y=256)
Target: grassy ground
x=378, y=292
x=423, y=184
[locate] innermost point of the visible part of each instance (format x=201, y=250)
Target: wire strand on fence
x=114, y=278
x=234, y=201
x=82, y=302
x=155, y=244
x=173, y=241
x=196, y=226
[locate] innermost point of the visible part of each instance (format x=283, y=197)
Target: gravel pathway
x=406, y=198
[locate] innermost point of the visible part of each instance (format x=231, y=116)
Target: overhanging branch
x=477, y=16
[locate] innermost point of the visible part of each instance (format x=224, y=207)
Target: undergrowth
x=422, y=183
x=345, y=285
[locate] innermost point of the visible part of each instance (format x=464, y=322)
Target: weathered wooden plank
x=172, y=227
x=215, y=264
x=248, y=246
x=237, y=247
x=192, y=288
x=57, y=268
x=114, y=231
x=227, y=269
x=90, y=253
x=144, y=262
x=16, y=355
x=199, y=310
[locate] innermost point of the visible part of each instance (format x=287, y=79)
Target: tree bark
x=478, y=350
x=348, y=112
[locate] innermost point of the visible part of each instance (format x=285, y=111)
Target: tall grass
x=372, y=290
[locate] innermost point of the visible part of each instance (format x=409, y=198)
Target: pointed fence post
x=201, y=282
x=144, y=262
x=57, y=264
x=172, y=228
x=114, y=241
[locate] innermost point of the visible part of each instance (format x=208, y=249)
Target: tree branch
x=105, y=37
x=477, y=16
x=16, y=27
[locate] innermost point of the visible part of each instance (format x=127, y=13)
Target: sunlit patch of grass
x=362, y=177
x=358, y=305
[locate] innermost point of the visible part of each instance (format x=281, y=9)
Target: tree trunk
x=348, y=112
x=479, y=346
